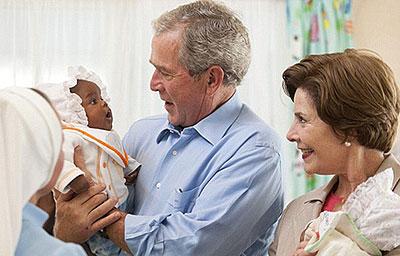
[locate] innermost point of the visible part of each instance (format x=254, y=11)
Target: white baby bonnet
x=375, y=209
x=68, y=104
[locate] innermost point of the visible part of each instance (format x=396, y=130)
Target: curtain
x=315, y=26
x=318, y=26
x=40, y=38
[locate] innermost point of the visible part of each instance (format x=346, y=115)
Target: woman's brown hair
x=354, y=92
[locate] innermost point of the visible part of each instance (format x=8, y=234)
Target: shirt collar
x=212, y=127
x=35, y=214
x=321, y=193
x=166, y=128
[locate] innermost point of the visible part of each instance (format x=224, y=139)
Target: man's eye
x=166, y=76
x=93, y=101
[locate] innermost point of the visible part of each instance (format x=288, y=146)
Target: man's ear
x=215, y=78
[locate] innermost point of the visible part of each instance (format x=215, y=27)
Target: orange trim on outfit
x=123, y=157
x=98, y=173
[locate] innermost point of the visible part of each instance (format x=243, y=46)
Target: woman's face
x=322, y=151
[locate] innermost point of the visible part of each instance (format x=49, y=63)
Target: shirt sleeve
x=68, y=250
x=69, y=171
x=132, y=166
x=242, y=200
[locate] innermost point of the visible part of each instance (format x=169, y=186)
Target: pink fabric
x=331, y=201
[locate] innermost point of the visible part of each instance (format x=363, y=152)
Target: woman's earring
x=347, y=143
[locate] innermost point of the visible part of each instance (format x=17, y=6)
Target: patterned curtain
x=316, y=26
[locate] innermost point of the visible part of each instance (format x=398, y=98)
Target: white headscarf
x=68, y=104
x=30, y=144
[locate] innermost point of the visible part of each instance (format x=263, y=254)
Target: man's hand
x=79, y=161
x=77, y=219
x=132, y=177
x=116, y=232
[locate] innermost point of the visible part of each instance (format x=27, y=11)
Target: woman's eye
x=301, y=120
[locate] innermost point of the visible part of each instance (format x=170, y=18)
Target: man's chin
x=173, y=121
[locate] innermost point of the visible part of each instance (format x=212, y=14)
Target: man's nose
x=155, y=81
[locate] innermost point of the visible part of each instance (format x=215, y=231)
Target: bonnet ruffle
x=68, y=104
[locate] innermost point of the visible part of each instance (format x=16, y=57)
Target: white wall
x=377, y=27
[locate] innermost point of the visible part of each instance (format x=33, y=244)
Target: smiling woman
x=322, y=151
x=346, y=108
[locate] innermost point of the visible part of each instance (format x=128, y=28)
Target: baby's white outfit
x=104, y=156
x=368, y=223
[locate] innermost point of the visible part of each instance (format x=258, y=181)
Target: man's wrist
x=116, y=232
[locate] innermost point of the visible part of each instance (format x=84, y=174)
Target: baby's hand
x=131, y=178
x=300, y=250
x=79, y=184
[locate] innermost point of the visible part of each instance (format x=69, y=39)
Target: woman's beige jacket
x=307, y=207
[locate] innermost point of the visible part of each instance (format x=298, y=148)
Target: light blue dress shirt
x=211, y=189
x=34, y=240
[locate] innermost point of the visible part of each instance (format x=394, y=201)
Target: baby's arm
x=79, y=184
x=131, y=171
x=71, y=177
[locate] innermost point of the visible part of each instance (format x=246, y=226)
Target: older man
x=210, y=182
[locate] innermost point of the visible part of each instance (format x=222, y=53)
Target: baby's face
x=97, y=111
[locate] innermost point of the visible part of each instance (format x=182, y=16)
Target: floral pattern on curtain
x=316, y=26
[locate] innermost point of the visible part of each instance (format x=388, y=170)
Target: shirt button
x=158, y=185
x=104, y=164
x=174, y=153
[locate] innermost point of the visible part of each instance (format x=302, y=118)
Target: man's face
x=185, y=97
x=97, y=111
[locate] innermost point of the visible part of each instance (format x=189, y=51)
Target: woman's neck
x=358, y=173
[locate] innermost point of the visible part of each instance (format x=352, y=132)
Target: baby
x=82, y=103
x=367, y=224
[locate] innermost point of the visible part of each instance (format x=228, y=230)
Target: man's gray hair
x=212, y=35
